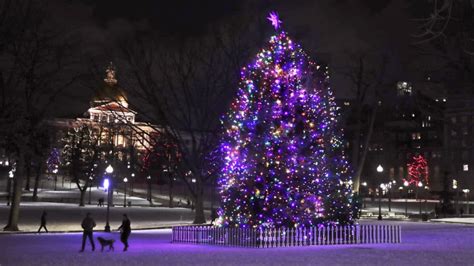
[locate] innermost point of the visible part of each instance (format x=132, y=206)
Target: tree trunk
x=37, y=180
x=356, y=145
x=364, y=151
x=171, y=192
x=17, y=191
x=83, y=196
x=28, y=175
x=199, y=201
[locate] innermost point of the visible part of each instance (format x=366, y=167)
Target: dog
x=106, y=242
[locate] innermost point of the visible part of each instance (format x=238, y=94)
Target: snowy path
x=423, y=244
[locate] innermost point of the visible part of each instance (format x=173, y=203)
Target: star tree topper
x=273, y=18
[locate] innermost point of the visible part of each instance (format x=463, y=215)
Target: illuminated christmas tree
x=283, y=161
x=418, y=171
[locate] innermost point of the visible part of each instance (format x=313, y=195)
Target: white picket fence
x=287, y=237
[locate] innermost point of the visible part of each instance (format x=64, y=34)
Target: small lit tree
x=418, y=170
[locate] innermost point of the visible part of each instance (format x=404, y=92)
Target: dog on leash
x=106, y=242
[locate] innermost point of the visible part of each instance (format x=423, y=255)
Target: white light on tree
x=125, y=180
x=420, y=184
x=466, y=190
x=455, y=184
x=465, y=167
x=406, y=183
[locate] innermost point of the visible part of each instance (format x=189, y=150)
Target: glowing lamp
x=379, y=168
x=109, y=169
x=106, y=183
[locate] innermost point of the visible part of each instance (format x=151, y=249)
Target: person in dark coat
x=88, y=225
x=43, y=222
x=125, y=231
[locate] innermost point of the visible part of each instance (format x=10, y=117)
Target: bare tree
x=185, y=87
x=445, y=32
x=366, y=74
x=33, y=59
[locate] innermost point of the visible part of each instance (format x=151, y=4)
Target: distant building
x=459, y=137
x=110, y=116
x=408, y=123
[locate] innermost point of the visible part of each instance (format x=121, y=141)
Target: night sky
x=329, y=30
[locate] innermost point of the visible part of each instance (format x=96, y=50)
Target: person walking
x=88, y=225
x=43, y=222
x=125, y=231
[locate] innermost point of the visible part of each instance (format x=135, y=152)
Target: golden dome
x=110, y=91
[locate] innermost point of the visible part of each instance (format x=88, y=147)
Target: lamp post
x=55, y=172
x=148, y=178
x=466, y=194
x=125, y=180
x=109, y=170
x=419, y=185
x=455, y=187
x=380, y=171
x=132, y=179
x=406, y=184
x=382, y=188
x=364, y=184
x=389, y=188
x=9, y=186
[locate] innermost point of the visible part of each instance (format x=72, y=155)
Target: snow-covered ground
x=67, y=217
x=423, y=244
x=457, y=220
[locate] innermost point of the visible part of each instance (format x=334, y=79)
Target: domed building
x=109, y=114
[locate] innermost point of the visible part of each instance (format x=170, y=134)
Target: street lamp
x=382, y=188
x=149, y=188
x=125, y=180
x=419, y=185
x=380, y=170
x=364, y=184
x=466, y=194
x=455, y=187
x=406, y=184
x=389, y=189
x=55, y=172
x=132, y=179
x=109, y=170
x=90, y=188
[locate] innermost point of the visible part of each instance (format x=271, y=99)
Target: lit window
x=465, y=167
